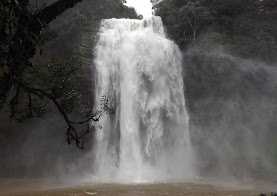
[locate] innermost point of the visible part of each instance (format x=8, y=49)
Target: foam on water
x=147, y=139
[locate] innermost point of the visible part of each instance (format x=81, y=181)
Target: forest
x=48, y=66
x=49, y=56
x=230, y=61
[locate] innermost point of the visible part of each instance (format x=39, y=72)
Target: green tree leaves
x=195, y=15
x=245, y=28
x=31, y=94
x=31, y=90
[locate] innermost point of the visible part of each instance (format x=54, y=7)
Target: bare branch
x=71, y=132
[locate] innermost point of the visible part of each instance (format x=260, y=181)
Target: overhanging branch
x=49, y=13
x=71, y=132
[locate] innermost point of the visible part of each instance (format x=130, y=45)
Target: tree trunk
x=194, y=35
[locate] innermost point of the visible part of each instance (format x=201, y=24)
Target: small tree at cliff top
x=195, y=14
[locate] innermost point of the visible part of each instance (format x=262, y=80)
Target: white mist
x=147, y=139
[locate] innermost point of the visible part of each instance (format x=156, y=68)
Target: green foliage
x=21, y=35
x=227, y=96
x=184, y=19
x=17, y=42
x=31, y=96
x=194, y=14
x=245, y=28
x=80, y=21
x=31, y=90
x=46, y=35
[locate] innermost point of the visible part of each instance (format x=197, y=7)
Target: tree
x=54, y=81
x=25, y=87
x=20, y=32
x=270, y=6
x=195, y=14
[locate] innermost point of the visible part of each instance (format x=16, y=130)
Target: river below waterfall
x=200, y=188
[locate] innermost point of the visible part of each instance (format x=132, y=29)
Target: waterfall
x=140, y=70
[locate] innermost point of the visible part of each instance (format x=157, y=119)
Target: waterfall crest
x=147, y=139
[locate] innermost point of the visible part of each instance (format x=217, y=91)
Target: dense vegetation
x=246, y=28
x=75, y=30
x=27, y=85
x=230, y=50
x=75, y=26
x=53, y=80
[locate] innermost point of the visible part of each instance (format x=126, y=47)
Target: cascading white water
x=147, y=139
